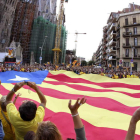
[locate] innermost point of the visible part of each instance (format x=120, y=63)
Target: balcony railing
x=113, y=25
x=118, y=27
x=113, y=32
x=112, y=42
x=132, y=24
x=131, y=44
x=126, y=56
x=112, y=58
x=132, y=34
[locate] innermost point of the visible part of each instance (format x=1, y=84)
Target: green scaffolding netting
x=42, y=28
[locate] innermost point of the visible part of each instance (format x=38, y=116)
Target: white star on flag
x=18, y=78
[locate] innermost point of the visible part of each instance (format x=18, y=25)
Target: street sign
x=40, y=58
x=131, y=60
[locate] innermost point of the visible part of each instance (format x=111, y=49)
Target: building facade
x=43, y=34
x=47, y=9
x=7, y=12
x=22, y=26
x=94, y=57
x=128, y=39
x=121, y=41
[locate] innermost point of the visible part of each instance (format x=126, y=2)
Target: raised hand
x=19, y=94
x=18, y=86
x=33, y=85
x=74, y=108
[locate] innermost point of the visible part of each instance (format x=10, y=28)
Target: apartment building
x=94, y=57
x=128, y=39
x=99, y=53
x=121, y=39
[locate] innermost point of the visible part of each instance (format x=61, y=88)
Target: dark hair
x=30, y=135
x=28, y=111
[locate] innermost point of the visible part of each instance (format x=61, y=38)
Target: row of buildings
x=120, y=44
x=32, y=23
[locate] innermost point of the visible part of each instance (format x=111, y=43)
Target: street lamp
x=41, y=48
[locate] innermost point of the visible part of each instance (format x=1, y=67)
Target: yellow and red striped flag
x=107, y=112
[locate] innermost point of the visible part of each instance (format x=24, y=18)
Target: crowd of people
x=115, y=73
x=27, y=122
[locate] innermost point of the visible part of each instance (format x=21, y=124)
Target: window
x=127, y=29
x=127, y=41
x=126, y=21
x=134, y=20
x=135, y=41
x=124, y=64
x=135, y=52
x=127, y=53
x=127, y=64
x=135, y=30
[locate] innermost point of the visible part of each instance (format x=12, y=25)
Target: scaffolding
x=41, y=29
x=22, y=26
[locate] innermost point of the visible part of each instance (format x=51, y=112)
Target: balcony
x=132, y=24
x=112, y=27
x=131, y=45
x=126, y=56
x=113, y=33
x=130, y=34
x=118, y=36
x=113, y=49
x=118, y=47
x=118, y=28
x=112, y=58
x=108, y=38
x=112, y=42
x=105, y=29
x=105, y=35
x=108, y=25
x=117, y=57
x=126, y=45
x=130, y=57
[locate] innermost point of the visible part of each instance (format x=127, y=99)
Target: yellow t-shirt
x=21, y=126
x=22, y=69
x=128, y=76
x=9, y=133
x=116, y=77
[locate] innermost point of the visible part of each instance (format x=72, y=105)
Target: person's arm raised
x=19, y=94
x=12, y=92
x=132, y=126
x=74, y=111
x=78, y=125
x=40, y=94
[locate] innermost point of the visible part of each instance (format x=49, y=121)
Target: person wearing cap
x=7, y=127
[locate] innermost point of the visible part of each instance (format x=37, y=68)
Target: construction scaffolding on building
x=22, y=26
x=43, y=28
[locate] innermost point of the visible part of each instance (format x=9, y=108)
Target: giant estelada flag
x=107, y=113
